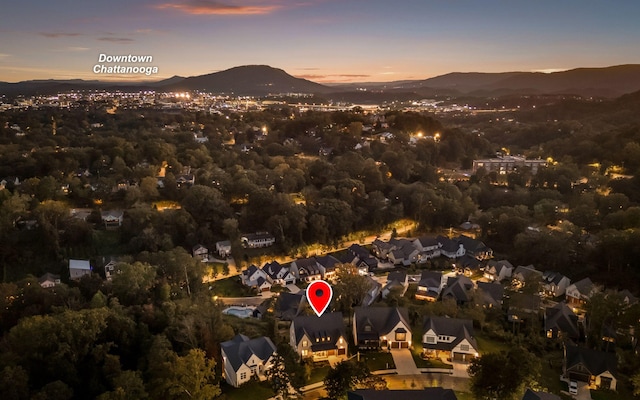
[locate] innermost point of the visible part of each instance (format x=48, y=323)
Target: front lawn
x=378, y=361
x=318, y=374
x=250, y=390
x=429, y=363
x=489, y=345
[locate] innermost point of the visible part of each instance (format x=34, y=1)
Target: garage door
x=404, y=345
x=342, y=352
x=395, y=345
x=576, y=376
x=461, y=357
x=332, y=352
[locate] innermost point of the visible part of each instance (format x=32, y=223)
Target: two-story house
x=384, y=327
x=307, y=269
x=452, y=338
x=491, y=294
x=257, y=240
x=200, y=252
x=498, y=271
x=428, y=248
x=319, y=338
x=223, y=248
x=244, y=358
x=578, y=293
x=256, y=278
x=475, y=248
x=459, y=289
x=330, y=264
x=279, y=274
x=450, y=248
x=525, y=274
x=597, y=368
x=397, y=281
x=430, y=285
x=561, y=322
x=554, y=284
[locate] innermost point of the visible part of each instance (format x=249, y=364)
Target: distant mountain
x=260, y=80
x=249, y=80
x=608, y=82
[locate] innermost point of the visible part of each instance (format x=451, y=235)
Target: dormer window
x=367, y=328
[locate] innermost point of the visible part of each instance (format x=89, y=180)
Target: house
x=432, y=393
x=223, y=248
x=475, y=248
x=110, y=269
x=289, y=305
x=256, y=278
x=450, y=337
x=533, y=395
x=257, y=240
x=373, y=291
x=597, y=368
x=578, y=293
x=524, y=274
x=112, y=219
x=278, y=274
x=185, y=180
x=329, y=263
x=450, y=248
x=307, y=269
x=428, y=248
x=200, y=252
x=403, y=252
x=498, y=270
x=361, y=257
x=628, y=298
x=561, y=322
x=430, y=285
x=523, y=307
x=381, y=249
x=468, y=265
x=554, y=284
x=396, y=281
x=458, y=288
x=49, y=280
x=79, y=268
x=491, y=294
x=319, y=338
x=376, y=328
x=244, y=358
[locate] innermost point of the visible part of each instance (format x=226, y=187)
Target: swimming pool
x=241, y=312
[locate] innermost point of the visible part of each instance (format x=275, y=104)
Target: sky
x=320, y=40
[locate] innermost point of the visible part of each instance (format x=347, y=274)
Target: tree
x=351, y=287
x=192, y=377
x=349, y=375
x=132, y=283
x=635, y=380
x=278, y=376
x=502, y=375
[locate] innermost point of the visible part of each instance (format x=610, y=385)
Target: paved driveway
x=583, y=391
x=293, y=288
x=404, y=362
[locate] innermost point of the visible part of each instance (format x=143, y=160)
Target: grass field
x=251, y=390
x=230, y=287
x=318, y=374
x=379, y=360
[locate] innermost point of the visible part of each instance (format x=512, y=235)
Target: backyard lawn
x=318, y=374
x=489, y=345
x=230, y=287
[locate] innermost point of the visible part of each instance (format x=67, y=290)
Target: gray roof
x=239, y=349
x=493, y=292
x=561, y=318
x=327, y=328
x=397, y=276
x=458, y=328
x=48, y=277
x=584, y=286
x=533, y=395
x=433, y=393
x=430, y=279
x=329, y=262
x=427, y=241
x=381, y=319
x=596, y=362
x=309, y=265
x=528, y=272
x=272, y=269
x=288, y=305
x=499, y=265
x=458, y=288
x=359, y=251
x=472, y=245
x=553, y=277
x=252, y=269
x=448, y=245
x=79, y=264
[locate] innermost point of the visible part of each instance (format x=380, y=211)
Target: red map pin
x=319, y=294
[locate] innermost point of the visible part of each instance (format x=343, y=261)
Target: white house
x=49, y=280
x=258, y=239
x=110, y=269
x=112, y=218
x=256, y=278
x=578, y=293
x=244, y=358
x=384, y=327
x=554, y=283
x=200, y=252
x=279, y=274
x=79, y=268
x=223, y=248
x=498, y=270
x=450, y=337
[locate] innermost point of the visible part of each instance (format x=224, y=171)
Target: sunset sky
x=321, y=40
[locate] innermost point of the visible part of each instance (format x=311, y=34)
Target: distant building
x=200, y=252
x=79, y=268
x=112, y=219
x=223, y=248
x=49, y=280
x=507, y=164
x=258, y=239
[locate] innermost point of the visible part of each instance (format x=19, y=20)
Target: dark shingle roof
x=430, y=279
x=596, y=362
x=288, y=305
x=458, y=288
x=458, y=328
x=327, y=328
x=561, y=318
x=382, y=320
x=427, y=241
x=309, y=265
x=532, y=395
x=239, y=349
x=434, y=393
x=584, y=286
x=272, y=269
x=329, y=262
x=493, y=292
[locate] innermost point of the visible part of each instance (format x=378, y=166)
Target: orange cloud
x=208, y=7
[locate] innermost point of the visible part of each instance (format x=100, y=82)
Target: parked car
x=573, y=387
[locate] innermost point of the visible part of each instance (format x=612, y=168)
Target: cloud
x=209, y=7
x=4, y=55
x=59, y=34
x=333, y=77
x=550, y=70
x=115, y=40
